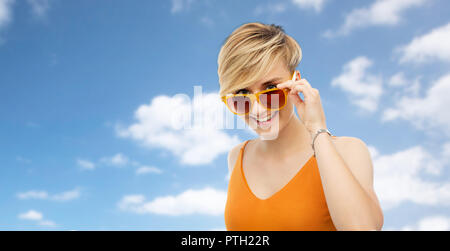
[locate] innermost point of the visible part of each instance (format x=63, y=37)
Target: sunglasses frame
x=254, y=96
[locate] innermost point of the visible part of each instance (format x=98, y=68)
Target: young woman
x=296, y=175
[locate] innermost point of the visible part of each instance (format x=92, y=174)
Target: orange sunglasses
x=273, y=99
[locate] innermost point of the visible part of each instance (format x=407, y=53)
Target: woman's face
x=277, y=119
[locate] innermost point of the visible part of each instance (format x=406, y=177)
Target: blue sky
x=87, y=89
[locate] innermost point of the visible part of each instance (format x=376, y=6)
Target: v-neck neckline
x=277, y=192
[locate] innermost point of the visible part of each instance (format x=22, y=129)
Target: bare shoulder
x=348, y=144
x=233, y=155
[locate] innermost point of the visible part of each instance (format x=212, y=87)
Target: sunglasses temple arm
x=294, y=77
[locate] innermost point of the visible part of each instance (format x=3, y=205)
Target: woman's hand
x=310, y=110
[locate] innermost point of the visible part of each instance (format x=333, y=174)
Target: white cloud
x=39, y=7
x=380, y=13
x=180, y=5
x=86, y=164
x=270, y=8
x=207, y=21
x=43, y=195
x=434, y=45
x=148, y=169
x=31, y=215
x=23, y=160
x=117, y=160
x=47, y=223
x=208, y=201
x=431, y=223
x=67, y=195
x=398, y=80
x=37, y=217
x=364, y=88
x=400, y=177
x=5, y=14
x=317, y=5
x=425, y=113
x=446, y=152
x=190, y=131
x=410, y=87
x=33, y=194
x=273, y=8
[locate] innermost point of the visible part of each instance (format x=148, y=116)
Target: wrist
x=316, y=135
x=315, y=129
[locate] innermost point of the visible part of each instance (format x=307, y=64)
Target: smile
x=266, y=120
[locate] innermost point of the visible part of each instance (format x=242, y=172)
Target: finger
x=287, y=84
x=309, y=88
x=303, y=89
x=290, y=83
x=299, y=103
x=296, y=98
x=306, y=83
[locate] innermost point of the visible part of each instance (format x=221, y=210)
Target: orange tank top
x=299, y=205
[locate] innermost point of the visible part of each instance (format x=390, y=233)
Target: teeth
x=265, y=119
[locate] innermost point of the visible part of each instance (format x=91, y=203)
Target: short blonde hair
x=249, y=52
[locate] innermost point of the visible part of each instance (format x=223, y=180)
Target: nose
x=257, y=109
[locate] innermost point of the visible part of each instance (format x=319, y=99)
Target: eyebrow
x=265, y=83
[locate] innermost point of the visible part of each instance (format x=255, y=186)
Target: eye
x=242, y=91
x=271, y=86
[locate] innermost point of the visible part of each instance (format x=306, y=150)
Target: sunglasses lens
x=273, y=99
x=239, y=104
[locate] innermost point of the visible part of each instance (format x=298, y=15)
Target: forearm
x=350, y=206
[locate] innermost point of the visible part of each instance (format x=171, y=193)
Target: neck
x=294, y=138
